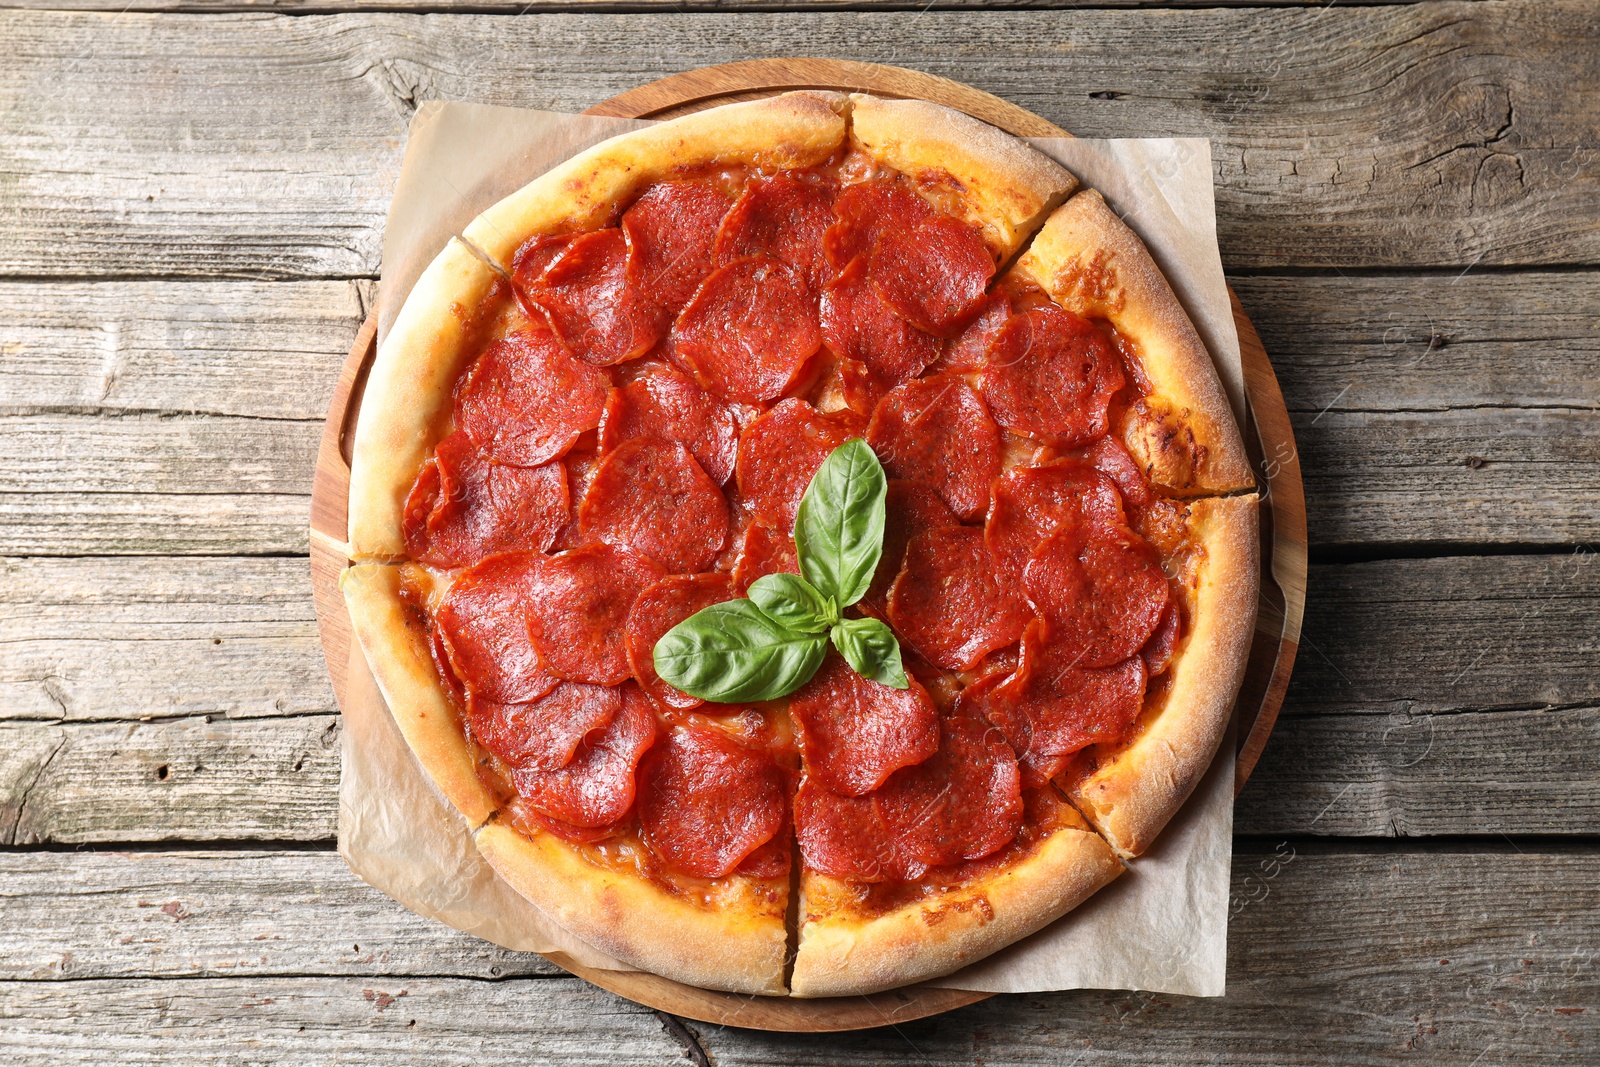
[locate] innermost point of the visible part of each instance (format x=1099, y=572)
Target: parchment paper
x=1162, y=926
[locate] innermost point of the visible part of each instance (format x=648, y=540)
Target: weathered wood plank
x=190, y=779
x=1413, y=709
x=175, y=914
x=151, y=637
x=258, y=349
x=266, y=146
x=1417, y=636
x=353, y=1020
x=161, y=454
x=1336, y=955
x=1469, y=475
x=334, y=7
x=1400, y=775
x=1430, y=341
x=211, y=524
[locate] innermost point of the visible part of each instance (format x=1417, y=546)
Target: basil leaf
x=838, y=531
x=870, y=647
x=789, y=600
x=732, y=653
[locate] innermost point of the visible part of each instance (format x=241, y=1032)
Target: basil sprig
x=770, y=644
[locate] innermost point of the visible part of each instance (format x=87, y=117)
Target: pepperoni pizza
x=597, y=414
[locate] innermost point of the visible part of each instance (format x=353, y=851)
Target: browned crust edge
x=408, y=393
x=1132, y=793
x=394, y=639
x=1183, y=433
x=737, y=944
x=795, y=129
x=842, y=954
x=1006, y=186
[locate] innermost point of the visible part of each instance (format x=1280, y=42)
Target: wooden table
x=191, y=203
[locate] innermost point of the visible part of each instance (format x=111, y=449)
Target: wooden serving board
x=1268, y=437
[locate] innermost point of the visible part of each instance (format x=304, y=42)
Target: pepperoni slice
x=1100, y=588
x=658, y=609
x=660, y=402
x=577, y=608
x=937, y=430
x=525, y=401
x=867, y=209
x=1051, y=375
x=670, y=232
x=651, y=496
x=543, y=734
x=856, y=732
x=1163, y=644
x=581, y=464
x=580, y=835
x=706, y=802
x=535, y=257
x=463, y=508
x=910, y=508
x=969, y=349
x=1053, y=706
x=771, y=860
x=481, y=623
x=592, y=308
x=597, y=788
x=846, y=837
x=778, y=454
x=859, y=327
x=963, y=803
x=933, y=274
x=749, y=331
x=1030, y=502
x=764, y=552
x=1110, y=457
x=784, y=216
x=948, y=605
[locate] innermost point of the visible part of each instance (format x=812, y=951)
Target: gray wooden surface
x=191, y=206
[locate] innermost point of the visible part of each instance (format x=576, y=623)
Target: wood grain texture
x=1337, y=954
x=1471, y=475
x=134, y=523
x=1431, y=342
x=262, y=350
x=316, y=1021
x=1421, y=636
x=319, y=7
x=141, y=638
x=189, y=455
x=1412, y=711
x=1410, y=775
x=265, y=146
x=216, y=914
x=184, y=780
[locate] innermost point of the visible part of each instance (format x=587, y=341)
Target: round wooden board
x=1268, y=436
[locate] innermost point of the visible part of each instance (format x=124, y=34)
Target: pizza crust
x=394, y=638
x=1183, y=433
x=997, y=182
x=798, y=129
x=1129, y=792
x=844, y=953
x=736, y=943
x=408, y=395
